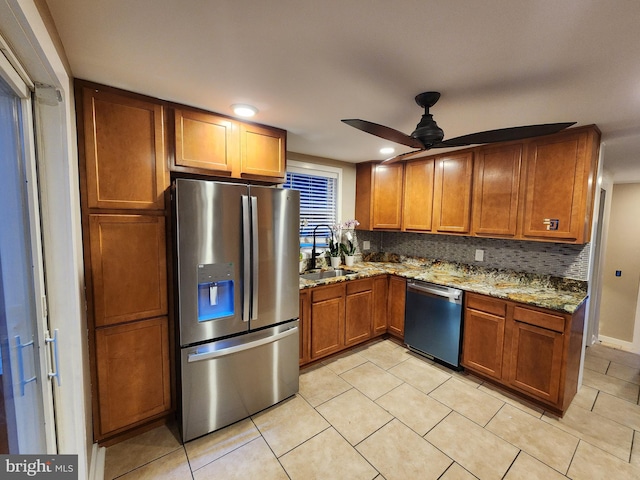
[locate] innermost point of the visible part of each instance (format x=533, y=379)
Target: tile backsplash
x=555, y=259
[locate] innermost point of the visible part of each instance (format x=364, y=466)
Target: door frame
x=28, y=28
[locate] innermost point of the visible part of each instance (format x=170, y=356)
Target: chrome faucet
x=313, y=250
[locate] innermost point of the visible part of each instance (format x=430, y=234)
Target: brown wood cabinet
x=205, y=141
x=530, y=350
x=452, y=192
x=380, y=288
x=128, y=256
x=262, y=151
x=123, y=183
x=496, y=190
x=335, y=317
x=483, y=339
x=560, y=172
x=395, y=305
x=417, y=205
x=305, y=327
x=210, y=144
x=538, y=189
x=133, y=368
x=122, y=143
x=327, y=320
x=379, y=196
x=358, y=311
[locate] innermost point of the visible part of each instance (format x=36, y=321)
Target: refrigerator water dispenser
x=215, y=291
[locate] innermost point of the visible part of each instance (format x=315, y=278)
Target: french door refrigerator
x=238, y=304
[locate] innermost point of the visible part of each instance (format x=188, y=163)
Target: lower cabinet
x=395, y=306
x=132, y=373
x=305, y=327
x=530, y=350
x=358, y=311
x=327, y=320
x=334, y=317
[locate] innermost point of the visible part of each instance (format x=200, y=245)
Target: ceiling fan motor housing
x=427, y=131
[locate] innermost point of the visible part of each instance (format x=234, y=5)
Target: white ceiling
x=306, y=64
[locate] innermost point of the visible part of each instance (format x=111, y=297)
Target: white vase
x=348, y=260
x=335, y=262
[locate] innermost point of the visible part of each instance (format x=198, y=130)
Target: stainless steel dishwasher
x=433, y=322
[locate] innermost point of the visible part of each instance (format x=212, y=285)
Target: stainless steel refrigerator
x=238, y=304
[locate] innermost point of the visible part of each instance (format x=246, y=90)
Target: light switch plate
x=366, y=245
x=479, y=255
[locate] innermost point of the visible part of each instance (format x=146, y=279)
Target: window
x=319, y=187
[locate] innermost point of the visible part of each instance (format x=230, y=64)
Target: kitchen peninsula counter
x=555, y=293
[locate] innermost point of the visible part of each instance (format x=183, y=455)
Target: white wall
x=619, y=302
x=348, y=191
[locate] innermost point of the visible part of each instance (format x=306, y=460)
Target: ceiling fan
x=428, y=135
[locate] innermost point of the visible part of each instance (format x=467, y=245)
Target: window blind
x=318, y=196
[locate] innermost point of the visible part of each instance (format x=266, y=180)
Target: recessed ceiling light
x=243, y=110
x=387, y=150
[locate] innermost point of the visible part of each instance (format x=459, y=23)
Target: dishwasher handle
x=446, y=292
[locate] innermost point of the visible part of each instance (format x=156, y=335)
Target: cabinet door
x=395, y=305
x=536, y=361
x=327, y=320
x=305, y=314
x=133, y=373
x=380, y=305
x=483, y=342
x=128, y=263
x=387, y=196
x=452, y=193
x=496, y=182
x=124, y=152
x=418, y=195
x=205, y=141
x=557, y=184
x=358, y=311
x=262, y=151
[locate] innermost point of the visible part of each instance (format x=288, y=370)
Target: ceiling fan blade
x=504, y=134
x=403, y=156
x=384, y=132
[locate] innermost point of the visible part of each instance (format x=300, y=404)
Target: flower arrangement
x=349, y=247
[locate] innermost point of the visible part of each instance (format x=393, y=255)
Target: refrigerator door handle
x=197, y=357
x=254, y=258
x=246, y=258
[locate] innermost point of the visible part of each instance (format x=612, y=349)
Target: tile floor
x=381, y=412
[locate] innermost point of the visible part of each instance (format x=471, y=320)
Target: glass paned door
x=23, y=376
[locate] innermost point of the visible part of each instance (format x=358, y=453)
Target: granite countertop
x=554, y=293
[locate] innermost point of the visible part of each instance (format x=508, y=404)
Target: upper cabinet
x=452, y=192
x=417, y=210
x=538, y=189
x=262, y=151
x=205, y=141
x=211, y=144
x=559, y=186
x=379, y=195
x=124, y=151
x=496, y=186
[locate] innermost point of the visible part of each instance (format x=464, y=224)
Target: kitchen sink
x=326, y=274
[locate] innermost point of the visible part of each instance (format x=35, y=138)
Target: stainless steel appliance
x=237, y=270
x=433, y=321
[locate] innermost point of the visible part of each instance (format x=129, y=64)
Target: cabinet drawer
x=320, y=294
x=487, y=304
x=356, y=286
x=540, y=319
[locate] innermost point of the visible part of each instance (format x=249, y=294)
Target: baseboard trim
x=619, y=344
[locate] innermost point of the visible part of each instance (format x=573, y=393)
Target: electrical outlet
x=366, y=245
x=479, y=255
